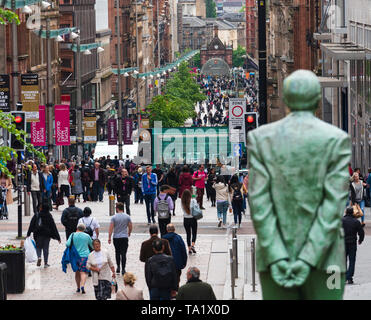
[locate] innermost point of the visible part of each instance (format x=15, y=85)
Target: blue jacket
x=152, y=185
x=71, y=256
x=178, y=249
x=49, y=182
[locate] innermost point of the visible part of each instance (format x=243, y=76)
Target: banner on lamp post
x=90, y=126
x=128, y=131
x=112, y=131
x=30, y=96
x=4, y=92
x=38, y=129
x=62, y=125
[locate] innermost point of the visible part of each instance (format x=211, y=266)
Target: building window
x=66, y=63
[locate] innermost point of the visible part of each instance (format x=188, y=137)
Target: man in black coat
x=160, y=272
x=124, y=185
x=98, y=180
x=351, y=227
x=70, y=217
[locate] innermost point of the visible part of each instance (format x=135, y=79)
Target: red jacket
x=185, y=182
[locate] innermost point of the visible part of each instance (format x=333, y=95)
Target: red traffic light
x=250, y=119
x=18, y=119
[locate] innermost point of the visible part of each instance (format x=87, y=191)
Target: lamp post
x=15, y=73
x=118, y=61
x=79, y=141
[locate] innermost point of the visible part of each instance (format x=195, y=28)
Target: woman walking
x=189, y=222
x=90, y=222
x=172, y=181
x=43, y=227
x=357, y=194
x=185, y=181
x=236, y=191
x=76, y=183
x=129, y=292
x=100, y=263
x=209, y=186
x=222, y=200
x=83, y=243
x=63, y=184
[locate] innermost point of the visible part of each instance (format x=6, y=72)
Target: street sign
x=4, y=92
x=237, y=110
x=30, y=96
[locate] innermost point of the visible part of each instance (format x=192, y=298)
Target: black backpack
x=237, y=195
x=88, y=229
x=72, y=218
x=163, y=275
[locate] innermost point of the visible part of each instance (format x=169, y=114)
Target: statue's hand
x=299, y=271
x=280, y=272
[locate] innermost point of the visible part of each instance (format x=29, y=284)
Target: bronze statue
x=297, y=195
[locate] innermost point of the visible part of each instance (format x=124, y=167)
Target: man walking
x=195, y=289
x=146, y=250
x=97, y=178
x=121, y=227
x=178, y=250
x=35, y=185
x=124, y=186
x=70, y=217
x=352, y=227
x=199, y=177
x=163, y=205
x=160, y=272
x=149, y=184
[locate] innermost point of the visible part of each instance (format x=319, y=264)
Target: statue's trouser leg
x=319, y=286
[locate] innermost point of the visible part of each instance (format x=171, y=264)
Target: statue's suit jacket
x=298, y=184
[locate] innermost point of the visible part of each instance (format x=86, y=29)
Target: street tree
x=210, y=9
x=238, y=58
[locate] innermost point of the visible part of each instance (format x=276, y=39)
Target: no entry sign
x=237, y=109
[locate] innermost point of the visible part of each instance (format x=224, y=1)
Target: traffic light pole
x=49, y=104
x=118, y=61
x=15, y=73
x=19, y=190
x=262, y=62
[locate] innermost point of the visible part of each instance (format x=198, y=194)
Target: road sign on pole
x=237, y=110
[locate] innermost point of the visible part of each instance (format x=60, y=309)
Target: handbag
x=196, y=211
x=357, y=212
x=114, y=286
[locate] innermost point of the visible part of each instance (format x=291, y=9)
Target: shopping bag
x=30, y=250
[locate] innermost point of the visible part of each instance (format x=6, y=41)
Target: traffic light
x=251, y=121
x=20, y=124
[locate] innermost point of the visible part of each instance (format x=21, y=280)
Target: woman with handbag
x=357, y=194
x=189, y=222
x=100, y=263
x=222, y=200
x=129, y=292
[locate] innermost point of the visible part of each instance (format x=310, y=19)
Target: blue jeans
x=159, y=294
x=138, y=195
x=97, y=191
x=362, y=206
x=149, y=199
x=222, y=208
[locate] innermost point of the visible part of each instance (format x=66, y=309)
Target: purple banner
x=38, y=129
x=62, y=125
x=112, y=131
x=128, y=131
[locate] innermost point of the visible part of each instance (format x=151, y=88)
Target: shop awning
x=343, y=51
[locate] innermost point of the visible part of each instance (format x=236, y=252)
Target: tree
x=237, y=57
x=6, y=153
x=197, y=60
x=177, y=104
x=210, y=9
x=8, y=16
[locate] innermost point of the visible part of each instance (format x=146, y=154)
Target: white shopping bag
x=30, y=250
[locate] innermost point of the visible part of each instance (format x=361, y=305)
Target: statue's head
x=302, y=91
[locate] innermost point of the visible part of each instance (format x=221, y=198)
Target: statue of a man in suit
x=297, y=194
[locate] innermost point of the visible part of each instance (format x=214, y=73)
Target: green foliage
x=237, y=57
x=210, y=9
x=197, y=60
x=243, y=9
x=7, y=16
x=7, y=122
x=177, y=103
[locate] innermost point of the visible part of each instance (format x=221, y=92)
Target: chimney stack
x=215, y=31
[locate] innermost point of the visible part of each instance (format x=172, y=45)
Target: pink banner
x=38, y=129
x=62, y=125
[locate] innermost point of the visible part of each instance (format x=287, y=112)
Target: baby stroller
x=3, y=207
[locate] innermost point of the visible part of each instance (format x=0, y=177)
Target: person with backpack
x=163, y=205
x=91, y=224
x=160, y=273
x=70, y=217
x=43, y=227
x=236, y=191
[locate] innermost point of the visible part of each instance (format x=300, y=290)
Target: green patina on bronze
x=297, y=194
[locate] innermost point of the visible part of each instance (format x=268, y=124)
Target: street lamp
x=59, y=39
x=100, y=49
x=87, y=52
x=45, y=5
x=27, y=10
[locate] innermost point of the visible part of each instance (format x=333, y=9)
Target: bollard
x=235, y=254
x=245, y=256
x=253, y=264
x=232, y=272
x=27, y=203
x=111, y=205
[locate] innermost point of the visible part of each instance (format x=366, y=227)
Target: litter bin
x=3, y=284
x=15, y=262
